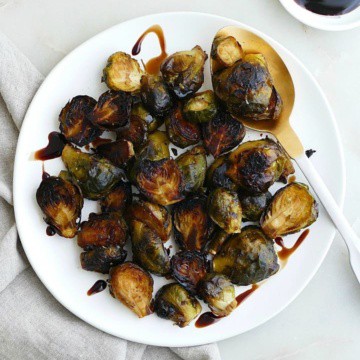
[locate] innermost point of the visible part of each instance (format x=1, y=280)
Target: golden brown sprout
x=118, y=199
x=184, y=71
x=291, y=209
x=112, y=111
x=222, y=133
x=253, y=205
x=156, y=147
x=213, y=246
x=173, y=302
x=122, y=72
x=133, y=286
x=118, y=152
x=201, y=108
x=61, y=202
x=75, y=122
x=181, y=132
x=256, y=165
x=102, y=230
x=192, y=225
x=152, y=122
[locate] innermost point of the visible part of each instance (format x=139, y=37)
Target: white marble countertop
x=324, y=321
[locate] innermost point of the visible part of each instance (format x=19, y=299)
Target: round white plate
x=347, y=21
x=56, y=260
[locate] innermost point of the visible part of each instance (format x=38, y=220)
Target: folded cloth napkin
x=33, y=325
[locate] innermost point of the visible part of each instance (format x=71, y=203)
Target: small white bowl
x=324, y=22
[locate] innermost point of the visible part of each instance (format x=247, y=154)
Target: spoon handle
x=351, y=239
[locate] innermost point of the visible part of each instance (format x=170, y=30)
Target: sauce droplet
x=174, y=151
x=153, y=65
x=310, y=152
x=53, y=149
x=50, y=231
x=99, y=286
x=285, y=252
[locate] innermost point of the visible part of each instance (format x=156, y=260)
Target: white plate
x=56, y=260
x=347, y=21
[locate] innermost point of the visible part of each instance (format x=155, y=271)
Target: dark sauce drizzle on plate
x=99, y=286
x=53, y=149
x=329, y=7
x=285, y=252
x=50, y=231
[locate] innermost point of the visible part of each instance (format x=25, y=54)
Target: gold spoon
x=282, y=130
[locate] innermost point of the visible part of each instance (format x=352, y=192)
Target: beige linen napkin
x=33, y=325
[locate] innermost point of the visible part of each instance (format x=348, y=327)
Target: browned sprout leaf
x=112, y=111
x=118, y=199
x=253, y=205
x=61, y=202
x=133, y=286
x=156, y=147
x=102, y=230
x=75, y=122
x=291, y=209
x=225, y=52
x=213, y=246
x=192, y=224
x=201, y=108
x=222, y=133
x=118, y=152
x=152, y=122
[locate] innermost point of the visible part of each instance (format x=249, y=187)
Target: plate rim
x=339, y=199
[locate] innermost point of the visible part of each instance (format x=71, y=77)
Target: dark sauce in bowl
x=329, y=7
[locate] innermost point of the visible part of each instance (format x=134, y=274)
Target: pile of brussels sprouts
x=146, y=195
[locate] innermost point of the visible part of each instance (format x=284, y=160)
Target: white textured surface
x=323, y=322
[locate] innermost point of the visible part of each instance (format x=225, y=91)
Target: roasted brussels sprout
x=118, y=152
x=148, y=249
x=256, y=165
x=155, y=216
x=96, y=177
x=173, y=302
x=225, y=52
x=222, y=133
x=188, y=268
x=133, y=286
x=192, y=225
x=112, y=110
x=136, y=132
x=61, y=202
x=192, y=165
x=291, y=209
x=151, y=121
x=75, y=122
x=247, y=258
x=181, y=132
x=160, y=181
x=102, y=230
x=201, y=108
x=247, y=89
x=118, y=199
x=184, y=71
x=101, y=258
x=156, y=147
x=122, y=72
x=225, y=210
x=155, y=95
x=216, y=175
x=253, y=205
x=217, y=238
x=218, y=292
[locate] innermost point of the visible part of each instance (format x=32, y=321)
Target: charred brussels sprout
x=133, y=286
x=254, y=205
x=173, y=302
x=192, y=165
x=118, y=199
x=102, y=230
x=61, y=202
x=101, y=259
x=184, y=71
x=160, y=181
x=247, y=258
x=112, y=110
x=188, y=268
x=155, y=95
x=75, y=122
x=225, y=210
x=96, y=177
x=213, y=246
x=151, y=121
x=148, y=249
x=155, y=216
x=218, y=292
x=118, y=152
x=225, y=52
x=222, y=133
x=181, y=132
x=201, y=108
x=156, y=147
x=256, y=165
x=192, y=225
x=291, y=209
x=216, y=175
x=122, y=72
x=247, y=89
